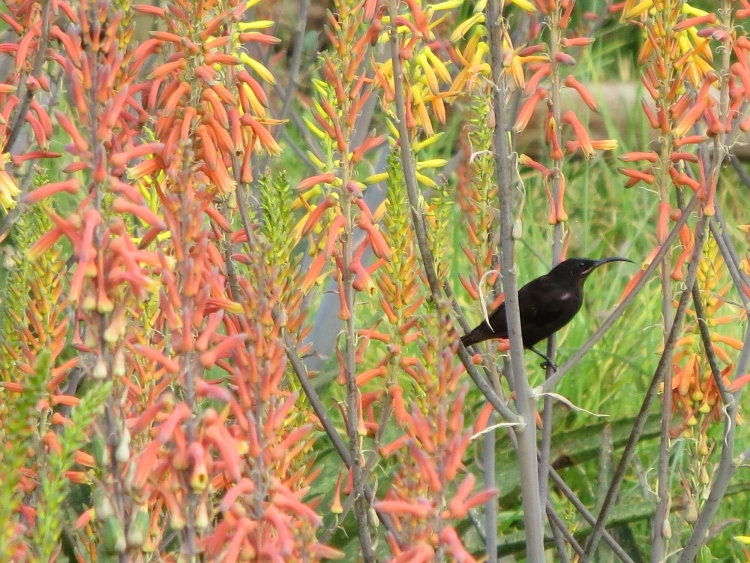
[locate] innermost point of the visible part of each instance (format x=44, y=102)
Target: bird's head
x=580, y=268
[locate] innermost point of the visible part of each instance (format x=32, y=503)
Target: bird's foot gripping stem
x=547, y=363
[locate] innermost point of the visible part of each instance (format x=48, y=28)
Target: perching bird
x=546, y=305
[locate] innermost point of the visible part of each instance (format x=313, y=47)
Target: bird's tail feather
x=472, y=338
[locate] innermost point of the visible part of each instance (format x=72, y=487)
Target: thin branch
x=353, y=396
x=428, y=262
x=560, y=532
x=228, y=249
x=727, y=466
x=553, y=19
x=12, y=215
x=729, y=254
x=490, y=482
x=663, y=495
x=407, y=163
x=740, y=169
x=485, y=387
x=651, y=393
x=298, y=39
x=549, y=385
x=547, y=421
x=476, y=521
x=713, y=361
x=320, y=411
x=559, y=539
x=562, y=486
x=25, y=94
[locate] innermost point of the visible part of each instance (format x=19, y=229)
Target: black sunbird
x=546, y=304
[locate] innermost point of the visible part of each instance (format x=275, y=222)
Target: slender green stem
x=557, y=237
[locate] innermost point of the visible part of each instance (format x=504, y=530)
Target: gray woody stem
x=525, y=402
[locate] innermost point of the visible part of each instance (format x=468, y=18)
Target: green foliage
x=277, y=218
x=20, y=434
x=15, y=277
x=397, y=220
x=53, y=467
x=440, y=235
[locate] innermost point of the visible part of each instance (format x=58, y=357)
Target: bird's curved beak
x=605, y=261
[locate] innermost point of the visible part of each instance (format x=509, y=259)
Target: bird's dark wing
x=545, y=308
x=483, y=332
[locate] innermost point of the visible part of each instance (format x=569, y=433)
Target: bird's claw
x=545, y=365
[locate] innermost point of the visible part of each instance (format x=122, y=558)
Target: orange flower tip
x=714, y=33
x=635, y=156
x=12, y=386
x=576, y=41
x=69, y=186
x=564, y=58
x=354, y=189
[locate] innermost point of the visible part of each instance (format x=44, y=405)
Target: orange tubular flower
x=637, y=175
x=580, y=132
x=527, y=110
x=70, y=186
x=635, y=156
x=585, y=94
x=690, y=118
x=531, y=163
